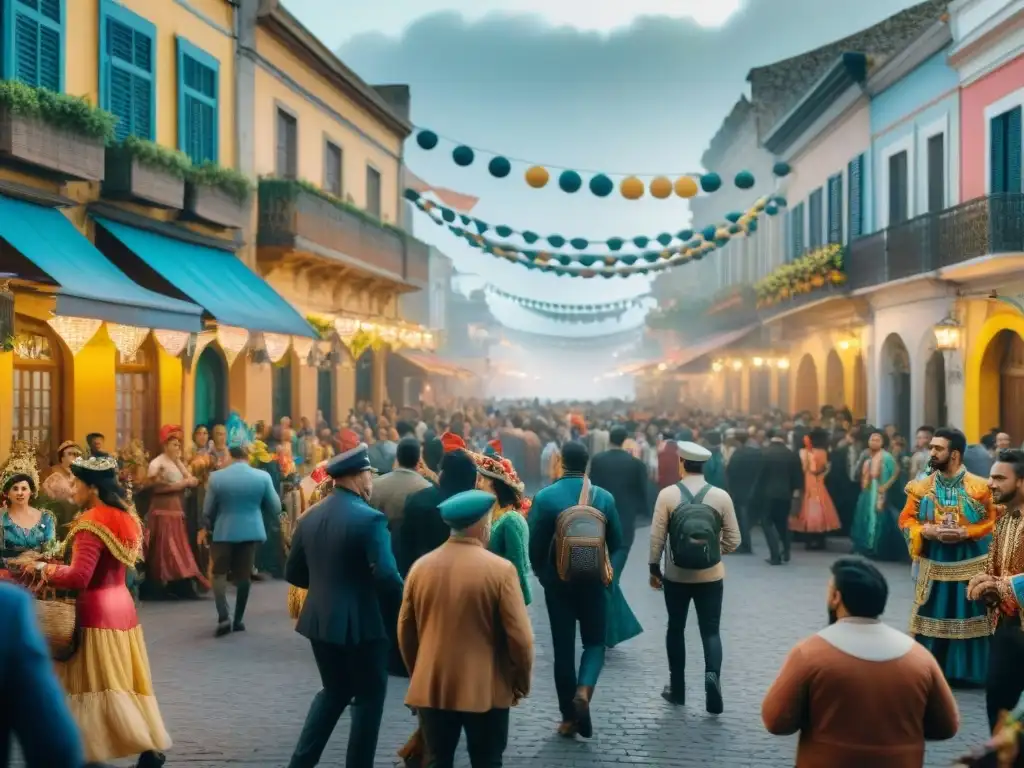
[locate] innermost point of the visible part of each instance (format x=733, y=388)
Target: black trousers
x=355, y=675
x=707, y=599
x=743, y=520
x=1005, y=682
x=486, y=736
x=775, y=521
x=569, y=605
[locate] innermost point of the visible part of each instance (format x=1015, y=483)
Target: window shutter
x=835, y=209
x=34, y=43
x=1013, y=155
x=287, y=145
x=936, y=173
x=373, y=201
x=898, y=212
x=855, y=173
x=816, y=203
x=799, y=244
x=128, y=85
x=198, y=75
x=332, y=169
x=997, y=154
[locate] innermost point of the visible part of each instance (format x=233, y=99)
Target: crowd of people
x=413, y=540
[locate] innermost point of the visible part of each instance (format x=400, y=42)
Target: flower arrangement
x=815, y=270
x=133, y=461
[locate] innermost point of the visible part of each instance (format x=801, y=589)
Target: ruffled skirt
x=169, y=555
x=110, y=694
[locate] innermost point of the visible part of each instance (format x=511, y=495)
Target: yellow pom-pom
x=661, y=188
x=722, y=234
x=537, y=176
x=632, y=188
x=686, y=186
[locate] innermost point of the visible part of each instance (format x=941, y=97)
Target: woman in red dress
x=818, y=514
x=107, y=680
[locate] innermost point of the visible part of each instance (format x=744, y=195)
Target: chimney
x=397, y=97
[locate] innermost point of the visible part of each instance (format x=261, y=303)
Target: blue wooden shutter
x=855, y=172
x=835, y=209
x=33, y=42
x=1013, y=155
x=997, y=154
x=799, y=243
x=128, y=60
x=198, y=88
x=815, y=221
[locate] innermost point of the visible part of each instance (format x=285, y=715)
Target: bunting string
x=619, y=305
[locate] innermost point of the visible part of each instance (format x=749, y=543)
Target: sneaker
x=223, y=628
x=669, y=694
x=238, y=626
x=713, y=693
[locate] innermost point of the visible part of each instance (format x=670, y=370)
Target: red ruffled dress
x=108, y=680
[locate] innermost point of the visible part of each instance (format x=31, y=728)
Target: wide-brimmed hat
x=499, y=468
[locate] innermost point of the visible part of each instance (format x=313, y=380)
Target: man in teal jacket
x=572, y=603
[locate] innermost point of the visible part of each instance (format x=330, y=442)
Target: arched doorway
x=894, y=384
x=760, y=389
x=807, y=385
x=281, y=387
x=364, y=376
x=860, y=388
x=39, y=367
x=1002, y=385
x=211, y=399
x=136, y=397
x=835, y=388
x=935, y=408
x=782, y=385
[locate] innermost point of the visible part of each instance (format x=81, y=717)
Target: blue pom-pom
x=665, y=238
x=615, y=243
x=640, y=241
x=426, y=139
x=570, y=181
x=587, y=261
x=530, y=237
x=722, y=242
x=733, y=216
x=734, y=229
x=412, y=194
x=780, y=201
x=752, y=226
x=710, y=182
x=579, y=243
x=781, y=169
x=708, y=233
x=499, y=167
x=685, y=234
x=628, y=260
x=771, y=209
x=745, y=180
x=601, y=185
x=463, y=156
x=502, y=231
x=448, y=214
x=556, y=241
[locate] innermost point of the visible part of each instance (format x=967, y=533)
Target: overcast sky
x=616, y=86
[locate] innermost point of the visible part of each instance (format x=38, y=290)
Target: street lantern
x=947, y=334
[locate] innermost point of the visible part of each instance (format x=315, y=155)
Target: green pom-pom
x=463, y=156
x=710, y=182
x=412, y=194
x=685, y=234
x=752, y=226
x=665, y=238
x=426, y=139
x=722, y=242
x=640, y=241
x=499, y=167
x=733, y=216
x=556, y=241
x=607, y=274
x=781, y=169
x=708, y=233
x=734, y=229
x=466, y=220
x=502, y=231
x=570, y=181
x=771, y=209
x=615, y=243
x=780, y=201
x=601, y=185
x=587, y=261
x=627, y=260
x=530, y=237
x=745, y=180
x=652, y=256
x=564, y=260
x=448, y=214
x=481, y=226
x=579, y=243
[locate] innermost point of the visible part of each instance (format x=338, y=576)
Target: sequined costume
x=324, y=485
x=942, y=619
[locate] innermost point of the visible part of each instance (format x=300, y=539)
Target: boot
x=241, y=600
x=713, y=693
x=220, y=599
x=581, y=703
x=151, y=759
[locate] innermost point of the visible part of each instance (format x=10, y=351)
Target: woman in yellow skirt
x=107, y=680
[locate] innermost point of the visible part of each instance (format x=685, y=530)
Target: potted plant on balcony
x=60, y=134
x=217, y=195
x=145, y=171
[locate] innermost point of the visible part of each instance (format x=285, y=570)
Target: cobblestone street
x=241, y=700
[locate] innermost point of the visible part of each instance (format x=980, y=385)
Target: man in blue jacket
x=570, y=603
x=237, y=498
x=35, y=710
x=341, y=553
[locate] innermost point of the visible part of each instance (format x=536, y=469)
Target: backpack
x=580, y=551
x=694, y=531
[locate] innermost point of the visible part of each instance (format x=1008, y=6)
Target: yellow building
x=130, y=293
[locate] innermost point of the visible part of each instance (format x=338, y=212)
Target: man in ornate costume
x=948, y=521
x=1001, y=587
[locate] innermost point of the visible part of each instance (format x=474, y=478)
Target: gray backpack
x=695, y=531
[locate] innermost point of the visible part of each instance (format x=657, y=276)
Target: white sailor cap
x=693, y=452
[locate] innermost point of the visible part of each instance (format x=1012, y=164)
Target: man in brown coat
x=466, y=638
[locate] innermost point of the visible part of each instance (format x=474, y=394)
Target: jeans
x=355, y=675
x=486, y=736
x=775, y=521
x=569, y=605
x=707, y=599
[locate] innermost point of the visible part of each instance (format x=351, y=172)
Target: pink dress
x=817, y=513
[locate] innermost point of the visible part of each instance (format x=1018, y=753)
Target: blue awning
x=90, y=286
x=215, y=280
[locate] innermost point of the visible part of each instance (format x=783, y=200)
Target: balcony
x=986, y=226
x=296, y=216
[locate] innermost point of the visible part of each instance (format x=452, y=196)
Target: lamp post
x=947, y=340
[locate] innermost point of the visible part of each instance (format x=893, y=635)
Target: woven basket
x=58, y=619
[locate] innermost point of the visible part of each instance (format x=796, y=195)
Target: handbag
x=58, y=620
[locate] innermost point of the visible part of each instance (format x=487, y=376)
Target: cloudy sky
x=606, y=85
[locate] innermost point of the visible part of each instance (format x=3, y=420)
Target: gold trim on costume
x=124, y=554
x=964, y=570
x=950, y=629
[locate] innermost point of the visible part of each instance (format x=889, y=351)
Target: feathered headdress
x=21, y=462
x=240, y=435
x=452, y=442
x=494, y=448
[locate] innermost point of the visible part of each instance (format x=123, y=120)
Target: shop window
x=135, y=401
x=37, y=389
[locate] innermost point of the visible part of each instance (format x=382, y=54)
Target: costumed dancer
x=169, y=559
x=107, y=680
x=948, y=522
x=875, y=531
x=818, y=515
x=510, y=534
x=24, y=530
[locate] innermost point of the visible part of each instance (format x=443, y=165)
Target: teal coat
x=548, y=504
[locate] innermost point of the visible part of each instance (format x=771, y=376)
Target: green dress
x=875, y=532
x=509, y=538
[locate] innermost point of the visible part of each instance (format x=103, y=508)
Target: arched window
x=136, y=401
x=38, y=387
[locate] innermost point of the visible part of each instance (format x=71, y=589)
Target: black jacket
x=625, y=477
x=779, y=475
x=742, y=471
x=422, y=529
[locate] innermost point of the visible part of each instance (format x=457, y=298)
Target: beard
x=832, y=617
x=940, y=465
